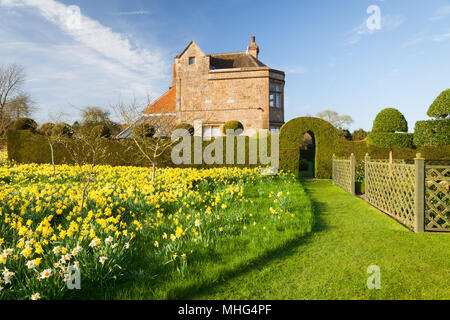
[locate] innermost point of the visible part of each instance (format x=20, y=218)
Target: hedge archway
x=325, y=136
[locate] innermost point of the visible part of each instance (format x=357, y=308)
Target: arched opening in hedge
x=325, y=141
x=307, y=155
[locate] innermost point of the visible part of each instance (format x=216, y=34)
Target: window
x=210, y=132
x=275, y=95
x=275, y=129
x=192, y=60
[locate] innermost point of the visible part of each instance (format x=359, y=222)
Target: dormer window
x=192, y=60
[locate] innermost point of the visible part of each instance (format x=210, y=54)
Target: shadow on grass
x=281, y=252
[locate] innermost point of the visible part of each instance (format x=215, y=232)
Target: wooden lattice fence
x=437, y=198
x=390, y=188
x=344, y=173
x=414, y=192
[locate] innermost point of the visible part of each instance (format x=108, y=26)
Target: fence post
x=366, y=176
x=352, y=173
x=419, y=201
x=333, y=169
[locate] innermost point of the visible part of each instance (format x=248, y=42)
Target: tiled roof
x=165, y=104
x=234, y=60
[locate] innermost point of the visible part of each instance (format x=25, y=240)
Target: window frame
x=191, y=61
x=275, y=95
x=210, y=127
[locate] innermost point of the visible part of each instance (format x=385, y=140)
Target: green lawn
x=331, y=263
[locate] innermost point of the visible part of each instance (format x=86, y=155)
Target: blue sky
x=331, y=59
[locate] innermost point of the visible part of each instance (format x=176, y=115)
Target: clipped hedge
x=390, y=120
x=234, y=125
x=25, y=124
x=26, y=147
x=432, y=133
x=440, y=108
x=326, y=139
x=328, y=143
x=390, y=140
x=185, y=126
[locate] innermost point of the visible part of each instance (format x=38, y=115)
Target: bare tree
x=12, y=77
x=87, y=149
x=149, y=134
x=335, y=119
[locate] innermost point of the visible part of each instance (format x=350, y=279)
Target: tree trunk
x=154, y=171
x=53, y=158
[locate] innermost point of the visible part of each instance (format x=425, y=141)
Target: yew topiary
x=236, y=126
x=441, y=106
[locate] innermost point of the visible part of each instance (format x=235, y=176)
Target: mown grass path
x=331, y=263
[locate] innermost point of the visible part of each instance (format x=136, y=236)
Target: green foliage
x=390, y=140
x=304, y=164
x=328, y=143
x=46, y=129
x=234, y=125
x=145, y=130
x=432, y=133
x=186, y=126
x=326, y=139
x=441, y=106
x=344, y=133
x=25, y=147
x=359, y=135
x=62, y=130
x=390, y=120
x=25, y=124
x=101, y=131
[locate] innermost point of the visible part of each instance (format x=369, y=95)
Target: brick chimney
x=253, y=48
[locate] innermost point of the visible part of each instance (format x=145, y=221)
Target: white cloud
x=441, y=13
x=132, y=13
x=441, y=37
x=388, y=23
x=82, y=65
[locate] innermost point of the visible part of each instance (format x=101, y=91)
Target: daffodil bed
x=135, y=238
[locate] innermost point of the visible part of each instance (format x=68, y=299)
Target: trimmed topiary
x=185, y=126
x=441, y=106
x=144, y=130
x=46, y=129
x=25, y=124
x=390, y=120
x=62, y=130
x=236, y=126
x=432, y=133
x=101, y=131
x=390, y=140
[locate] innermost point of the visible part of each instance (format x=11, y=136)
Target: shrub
x=344, y=133
x=25, y=124
x=441, y=106
x=46, y=129
x=62, y=130
x=186, y=126
x=359, y=135
x=432, y=133
x=390, y=140
x=390, y=120
x=145, y=130
x=101, y=131
x=236, y=126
